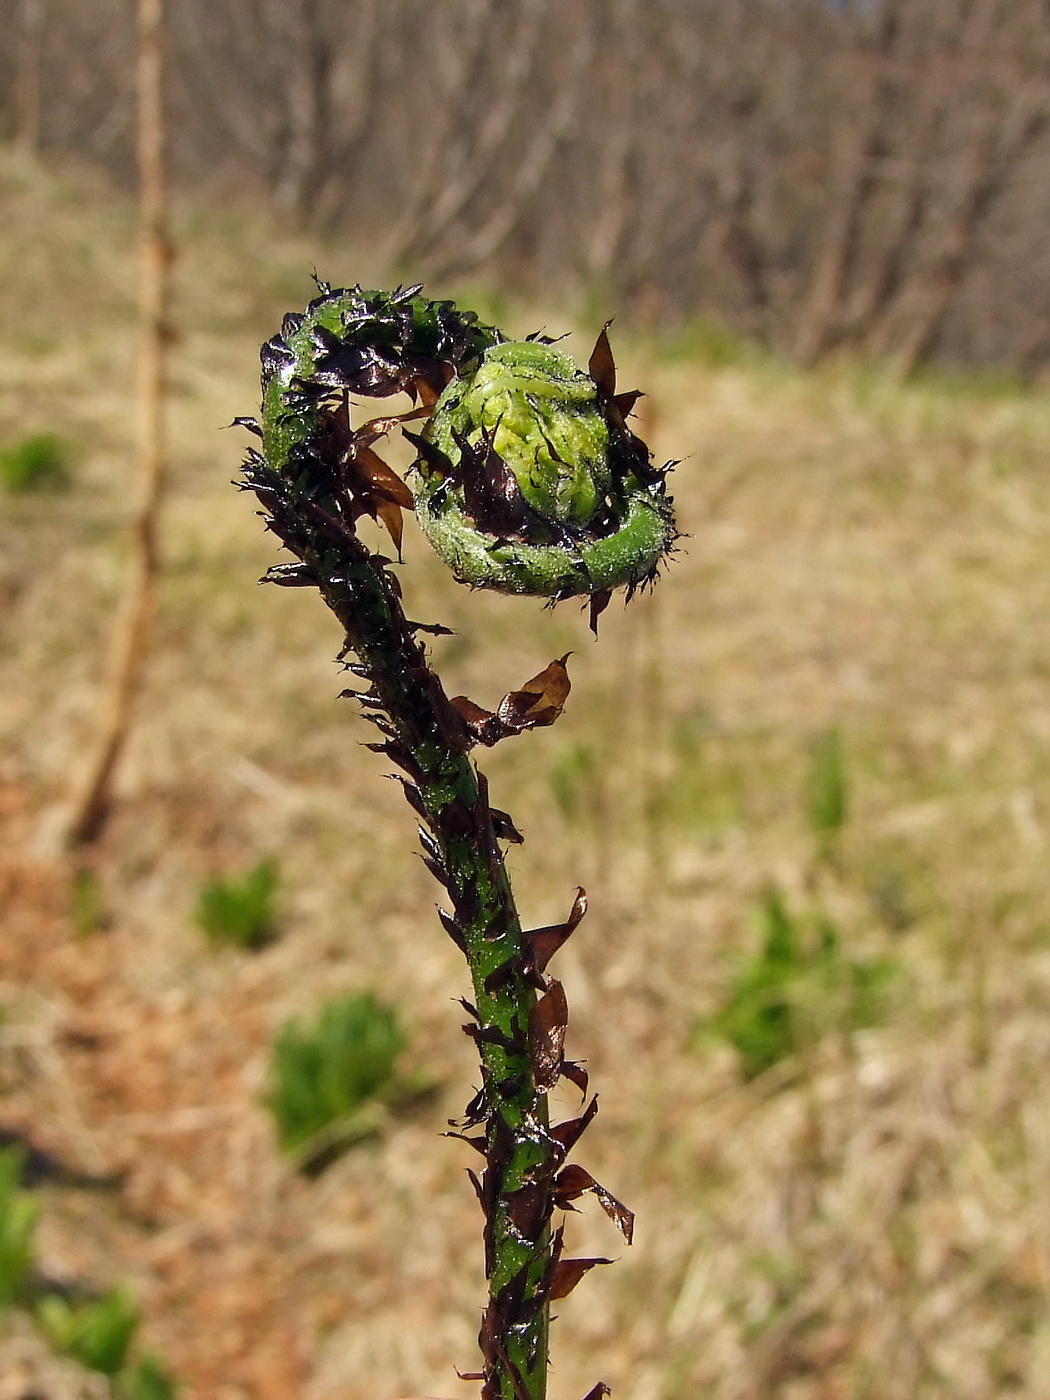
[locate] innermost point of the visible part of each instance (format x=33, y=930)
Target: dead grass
x=873, y=1224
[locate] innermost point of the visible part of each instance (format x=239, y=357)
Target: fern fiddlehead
x=530, y=482
x=527, y=480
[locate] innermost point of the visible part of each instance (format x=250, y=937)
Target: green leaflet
x=542, y=416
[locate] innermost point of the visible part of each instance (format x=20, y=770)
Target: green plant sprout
x=827, y=792
x=35, y=463
x=575, y=781
x=241, y=911
x=97, y=1333
x=796, y=987
x=87, y=909
x=332, y=1079
x=529, y=481
x=147, y=1379
x=18, y=1217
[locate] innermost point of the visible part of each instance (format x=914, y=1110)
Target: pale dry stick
x=131, y=638
x=29, y=56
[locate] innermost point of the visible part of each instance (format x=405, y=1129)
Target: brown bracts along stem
x=315, y=476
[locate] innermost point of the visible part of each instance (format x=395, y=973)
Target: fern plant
x=18, y=1217
x=240, y=911
x=35, y=463
x=827, y=794
x=527, y=480
x=147, y=1379
x=331, y=1076
x=98, y=1333
x=798, y=985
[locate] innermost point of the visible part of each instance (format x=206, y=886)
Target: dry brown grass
x=871, y=1225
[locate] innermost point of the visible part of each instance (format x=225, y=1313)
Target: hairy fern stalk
x=527, y=480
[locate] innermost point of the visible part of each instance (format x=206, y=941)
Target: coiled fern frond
x=527, y=480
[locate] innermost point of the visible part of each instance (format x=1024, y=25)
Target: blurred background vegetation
x=863, y=173
x=803, y=780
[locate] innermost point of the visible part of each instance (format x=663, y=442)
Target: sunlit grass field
x=805, y=783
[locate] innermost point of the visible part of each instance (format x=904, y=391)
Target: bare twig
x=131, y=638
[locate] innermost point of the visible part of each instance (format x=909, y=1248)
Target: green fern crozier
x=532, y=483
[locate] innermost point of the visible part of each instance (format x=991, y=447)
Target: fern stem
x=461, y=848
x=315, y=476
x=469, y=862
